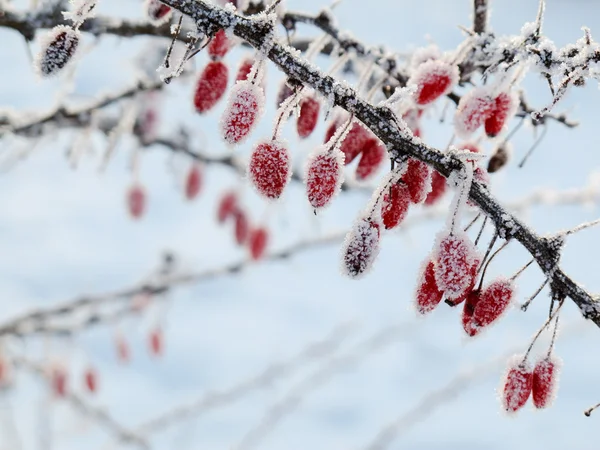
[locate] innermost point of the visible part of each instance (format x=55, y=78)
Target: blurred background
x=66, y=233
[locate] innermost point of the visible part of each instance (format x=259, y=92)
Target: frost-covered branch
x=383, y=122
x=480, y=16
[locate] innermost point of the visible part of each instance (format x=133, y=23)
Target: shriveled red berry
x=157, y=12
x=517, y=385
x=242, y=227
x=418, y=180
x=428, y=295
x=244, y=69
x=503, y=108
x=472, y=111
x=59, y=381
x=394, y=206
x=219, y=45
x=471, y=302
x=309, y=116
x=136, y=201
x=91, y=380
x=434, y=78
x=324, y=176
x=211, y=86
x=438, y=188
x=57, y=49
x=545, y=381
x=360, y=247
x=257, y=242
x=243, y=110
x=193, y=182
x=455, y=255
x=269, y=168
x=156, y=341
x=373, y=155
x=495, y=299
x=228, y=205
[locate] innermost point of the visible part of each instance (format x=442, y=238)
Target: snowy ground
x=65, y=232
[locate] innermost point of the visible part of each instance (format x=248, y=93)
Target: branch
x=383, y=123
x=480, y=16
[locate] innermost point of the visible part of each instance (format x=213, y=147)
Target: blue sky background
x=66, y=232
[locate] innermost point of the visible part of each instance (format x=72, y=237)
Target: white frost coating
x=244, y=108
x=270, y=169
x=82, y=10
x=423, y=54
x=360, y=247
x=509, y=403
x=552, y=382
x=473, y=108
x=461, y=181
x=57, y=50
x=151, y=8
x=455, y=256
x=323, y=176
x=434, y=79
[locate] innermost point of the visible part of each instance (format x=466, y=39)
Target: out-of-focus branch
x=480, y=16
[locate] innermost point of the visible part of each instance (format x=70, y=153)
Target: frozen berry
x=517, y=385
x=219, y=45
x=257, y=243
x=324, y=176
x=211, y=86
x=428, y=295
x=193, y=182
x=360, y=247
x=241, y=115
x=57, y=49
x=434, y=78
x=373, y=155
x=394, y=206
x=269, y=169
x=309, y=116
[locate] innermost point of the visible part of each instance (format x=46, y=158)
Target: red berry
x=373, y=155
x=434, y=78
x=473, y=277
x=332, y=128
x=211, y=86
x=517, y=385
x=244, y=69
x=471, y=302
x=355, y=141
x=136, y=201
x=193, y=182
x=91, y=380
x=242, y=227
x=242, y=113
x=418, y=180
x=473, y=109
x=324, y=176
x=495, y=299
x=455, y=255
x=122, y=349
x=157, y=12
x=309, y=116
x=257, y=243
x=503, y=108
x=428, y=295
x=360, y=247
x=156, y=342
x=59, y=381
x=545, y=382
x=148, y=123
x=57, y=49
x=227, y=207
x=269, y=169
x=219, y=45
x=394, y=206
x=438, y=188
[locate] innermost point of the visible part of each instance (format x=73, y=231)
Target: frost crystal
x=57, y=50
x=82, y=10
x=245, y=106
x=244, y=69
x=455, y=255
x=394, y=206
x=418, y=180
x=517, y=385
x=269, y=169
x=438, y=188
x=324, y=176
x=472, y=111
x=428, y=295
x=545, y=381
x=433, y=79
x=360, y=248
x=495, y=299
x=211, y=86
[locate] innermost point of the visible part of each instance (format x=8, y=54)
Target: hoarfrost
x=245, y=107
x=360, y=248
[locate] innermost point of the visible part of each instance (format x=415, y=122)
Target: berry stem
x=534, y=146
x=490, y=260
x=521, y=270
x=539, y=333
x=525, y=305
x=553, y=336
x=481, y=230
x=468, y=227
x=589, y=412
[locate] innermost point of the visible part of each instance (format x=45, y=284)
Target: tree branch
x=480, y=16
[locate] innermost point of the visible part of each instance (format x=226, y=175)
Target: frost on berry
x=242, y=227
x=355, y=141
x=428, y=295
x=58, y=379
x=324, y=176
x=228, y=205
x=418, y=180
x=57, y=49
x=360, y=247
x=482, y=177
x=136, y=201
x=545, y=381
x=472, y=111
x=309, y=116
x=424, y=54
x=438, y=188
x=455, y=255
x=472, y=280
x=156, y=341
x=219, y=45
x=517, y=385
x=269, y=169
x=243, y=110
x=471, y=301
x=504, y=107
x=373, y=155
x=495, y=299
x=394, y=205
x=433, y=78
x=211, y=86
x=193, y=182
x=257, y=242
x=91, y=380
x=157, y=12
x=335, y=123
x=244, y=69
